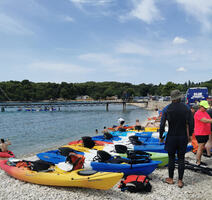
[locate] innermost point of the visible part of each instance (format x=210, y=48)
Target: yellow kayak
x=81, y=148
x=58, y=177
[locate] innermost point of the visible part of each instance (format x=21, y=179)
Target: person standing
x=180, y=120
x=202, y=129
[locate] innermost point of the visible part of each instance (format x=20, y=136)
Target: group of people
x=182, y=124
x=122, y=128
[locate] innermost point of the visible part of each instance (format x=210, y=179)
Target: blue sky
x=136, y=41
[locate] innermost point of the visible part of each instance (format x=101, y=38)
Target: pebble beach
x=197, y=186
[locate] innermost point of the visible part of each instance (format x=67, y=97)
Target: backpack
x=136, y=183
x=76, y=160
x=88, y=142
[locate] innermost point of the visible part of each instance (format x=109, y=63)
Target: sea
x=31, y=132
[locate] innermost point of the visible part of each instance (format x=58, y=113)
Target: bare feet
x=169, y=180
x=180, y=184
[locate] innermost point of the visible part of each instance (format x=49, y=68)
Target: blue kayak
x=143, y=168
x=156, y=148
x=54, y=156
x=127, y=169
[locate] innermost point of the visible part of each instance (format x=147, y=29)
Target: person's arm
x=205, y=120
x=8, y=142
x=162, y=125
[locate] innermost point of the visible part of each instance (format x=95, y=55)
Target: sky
x=134, y=41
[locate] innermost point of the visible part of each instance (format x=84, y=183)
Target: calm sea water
x=31, y=132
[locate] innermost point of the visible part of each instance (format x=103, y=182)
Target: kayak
x=127, y=169
x=155, y=148
x=97, y=142
x=127, y=166
x=58, y=177
x=80, y=147
x=8, y=154
x=55, y=157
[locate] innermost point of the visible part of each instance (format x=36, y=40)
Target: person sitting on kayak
x=4, y=145
x=105, y=130
x=138, y=125
x=121, y=125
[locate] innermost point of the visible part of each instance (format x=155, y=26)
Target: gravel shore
x=197, y=187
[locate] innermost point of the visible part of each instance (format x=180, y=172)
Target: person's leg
x=171, y=167
x=199, y=152
x=181, y=167
x=208, y=146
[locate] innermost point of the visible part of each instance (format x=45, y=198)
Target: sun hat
x=121, y=120
x=204, y=104
x=176, y=94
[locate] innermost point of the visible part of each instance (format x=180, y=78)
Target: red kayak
x=8, y=154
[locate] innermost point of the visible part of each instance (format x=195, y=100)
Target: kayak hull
x=103, y=181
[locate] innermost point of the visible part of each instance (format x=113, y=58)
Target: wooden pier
x=5, y=105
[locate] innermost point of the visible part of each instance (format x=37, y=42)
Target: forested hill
x=29, y=91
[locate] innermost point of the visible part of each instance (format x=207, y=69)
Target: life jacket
x=76, y=160
x=136, y=183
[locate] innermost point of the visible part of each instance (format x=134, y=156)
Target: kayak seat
x=86, y=172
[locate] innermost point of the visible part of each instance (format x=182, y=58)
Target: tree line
x=29, y=91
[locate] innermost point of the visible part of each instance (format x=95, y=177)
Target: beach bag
x=76, y=160
x=136, y=183
x=88, y=142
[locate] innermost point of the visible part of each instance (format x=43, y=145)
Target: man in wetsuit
x=180, y=121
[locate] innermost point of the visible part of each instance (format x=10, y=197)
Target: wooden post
x=124, y=106
x=107, y=105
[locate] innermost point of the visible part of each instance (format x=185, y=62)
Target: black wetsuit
x=178, y=116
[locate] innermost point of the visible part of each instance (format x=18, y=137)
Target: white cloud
x=11, y=25
x=104, y=59
x=68, y=19
x=59, y=67
x=199, y=9
x=132, y=48
x=145, y=10
x=181, y=69
x=179, y=40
